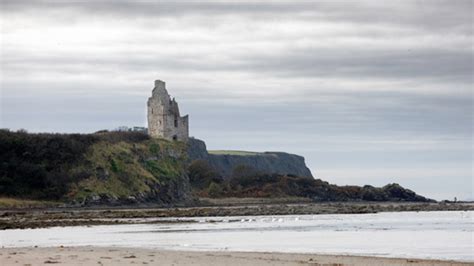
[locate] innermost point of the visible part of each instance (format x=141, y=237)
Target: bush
x=201, y=174
x=214, y=190
x=118, y=136
x=37, y=165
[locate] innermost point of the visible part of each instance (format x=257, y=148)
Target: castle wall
x=164, y=119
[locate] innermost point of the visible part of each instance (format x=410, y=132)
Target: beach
x=89, y=255
x=414, y=238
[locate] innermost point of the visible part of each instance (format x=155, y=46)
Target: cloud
x=297, y=75
x=427, y=45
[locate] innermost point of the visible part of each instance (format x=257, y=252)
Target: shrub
x=214, y=190
x=201, y=174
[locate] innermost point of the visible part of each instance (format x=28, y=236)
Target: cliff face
x=224, y=162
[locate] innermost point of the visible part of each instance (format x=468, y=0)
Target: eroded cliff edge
x=224, y=162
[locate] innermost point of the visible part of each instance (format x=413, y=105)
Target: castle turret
x=164, y=120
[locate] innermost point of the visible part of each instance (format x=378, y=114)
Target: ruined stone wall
x=164, y=119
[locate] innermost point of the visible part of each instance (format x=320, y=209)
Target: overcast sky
x=369, y=93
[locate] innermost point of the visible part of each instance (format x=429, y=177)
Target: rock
x=102, y=173
x=266, y=162
x=197, y=150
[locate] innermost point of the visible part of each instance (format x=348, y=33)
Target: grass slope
x=112, y=166
x=129, y=170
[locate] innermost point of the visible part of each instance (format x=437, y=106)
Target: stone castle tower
x=164, y=120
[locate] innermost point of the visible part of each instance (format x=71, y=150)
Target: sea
x=426, y=235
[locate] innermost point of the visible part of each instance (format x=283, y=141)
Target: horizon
x=366, y=93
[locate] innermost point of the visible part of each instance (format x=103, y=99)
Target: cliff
x=105, y=168
x=116, y=168
x=274, y=174
x=224, y=162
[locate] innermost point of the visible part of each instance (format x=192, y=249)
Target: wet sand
x=135, y=256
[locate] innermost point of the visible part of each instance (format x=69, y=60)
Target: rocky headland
x=131, y=168
x=224, y=162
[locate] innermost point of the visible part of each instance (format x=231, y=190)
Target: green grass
x=166, y=168
x=239, y=153
x=131, y=167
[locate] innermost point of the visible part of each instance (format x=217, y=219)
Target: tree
x=214, y=190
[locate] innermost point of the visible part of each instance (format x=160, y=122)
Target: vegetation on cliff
x=248, y=182
x=131, y=167
x=108, y=167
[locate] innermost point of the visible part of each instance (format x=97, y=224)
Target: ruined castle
x=164, y=120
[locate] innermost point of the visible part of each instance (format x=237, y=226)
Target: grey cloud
x=451, y=66
x=449, y=62
x=366, y=63
x=433, y=15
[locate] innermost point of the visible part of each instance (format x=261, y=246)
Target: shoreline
x=91, y=255
x=409, y=235
x=51, y=217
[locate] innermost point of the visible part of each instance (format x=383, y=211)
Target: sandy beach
x=127, y=256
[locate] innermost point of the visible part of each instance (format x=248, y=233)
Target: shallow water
x=437, y=235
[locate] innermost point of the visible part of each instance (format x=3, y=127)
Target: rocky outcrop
x=197, y=150
x=266, y=162
x=274, y=185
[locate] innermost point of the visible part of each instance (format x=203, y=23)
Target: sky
x=368, y=92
